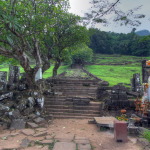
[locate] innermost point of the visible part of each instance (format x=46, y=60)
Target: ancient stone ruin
x=145, y=72
x=19, y=107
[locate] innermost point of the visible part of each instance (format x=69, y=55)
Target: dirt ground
x=100, y=140
x=64, y=128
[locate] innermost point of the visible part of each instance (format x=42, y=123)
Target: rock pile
x=19, y=106
x=119, y=99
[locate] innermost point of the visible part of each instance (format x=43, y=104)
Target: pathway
x=64, y=134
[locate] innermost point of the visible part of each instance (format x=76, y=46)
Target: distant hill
x=143, y=32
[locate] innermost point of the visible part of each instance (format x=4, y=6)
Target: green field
x=114, y=59
x=101, y=68
x=114, y=74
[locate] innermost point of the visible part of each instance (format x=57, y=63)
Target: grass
x=113, y=59
x=146, y=135
x=47, y=73
x=114, y=74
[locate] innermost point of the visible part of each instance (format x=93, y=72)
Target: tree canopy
x=119, y=43
x=37, y=30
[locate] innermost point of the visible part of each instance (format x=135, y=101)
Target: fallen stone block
x=15, y=114
x=41, y=129
x=4, y=108
x=32, y=125
x=39, y=120
x=18, y=124
x=25, y=143
x=6, y=95
x=28, y=111
x=64, y=146
x=40, y=134
x=28, y=132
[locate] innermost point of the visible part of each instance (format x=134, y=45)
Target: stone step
x=67, y=87
x=72, y=111
x=72, y=81
x=72, y=117
x=72, y=114
x=76, y=107
x=78, y=93
x=55, y=96
x=75, y=90
x=69, y=103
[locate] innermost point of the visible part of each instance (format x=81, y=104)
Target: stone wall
x=18, y=104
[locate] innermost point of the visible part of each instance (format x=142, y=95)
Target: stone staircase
x=73, y=98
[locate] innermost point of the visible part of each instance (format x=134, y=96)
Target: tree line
x=119, y=43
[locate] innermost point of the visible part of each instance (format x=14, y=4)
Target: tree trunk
x=30, y=72
x=55, y=69
x=30, y=77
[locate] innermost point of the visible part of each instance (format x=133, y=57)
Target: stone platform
x=105, y=121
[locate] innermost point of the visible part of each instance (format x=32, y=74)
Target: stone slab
x=41, y=129
x=32, y=125
x=84, y=147
x=39, y=120
x=17, y=124
x=82, y=141
x=105, y=121
x=40, y=134
x=64, y=146
x=28, y=132
x=64, y=137
x=25, y=143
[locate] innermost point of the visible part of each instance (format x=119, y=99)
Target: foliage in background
x=5, y=60
x=67, y=33
x=119, y=43
x=81, y=54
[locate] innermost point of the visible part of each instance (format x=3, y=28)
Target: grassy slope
x=107, y=59
x=115, y=74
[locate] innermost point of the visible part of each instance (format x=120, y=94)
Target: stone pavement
x=76, y=143
x=40, y=139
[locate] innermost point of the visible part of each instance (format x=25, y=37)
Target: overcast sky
x=79, y=7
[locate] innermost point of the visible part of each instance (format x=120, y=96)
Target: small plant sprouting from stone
x=92, y=147
x=76, y=146
x=51, y=145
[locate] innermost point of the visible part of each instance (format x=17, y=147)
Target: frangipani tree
x=24, y=24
